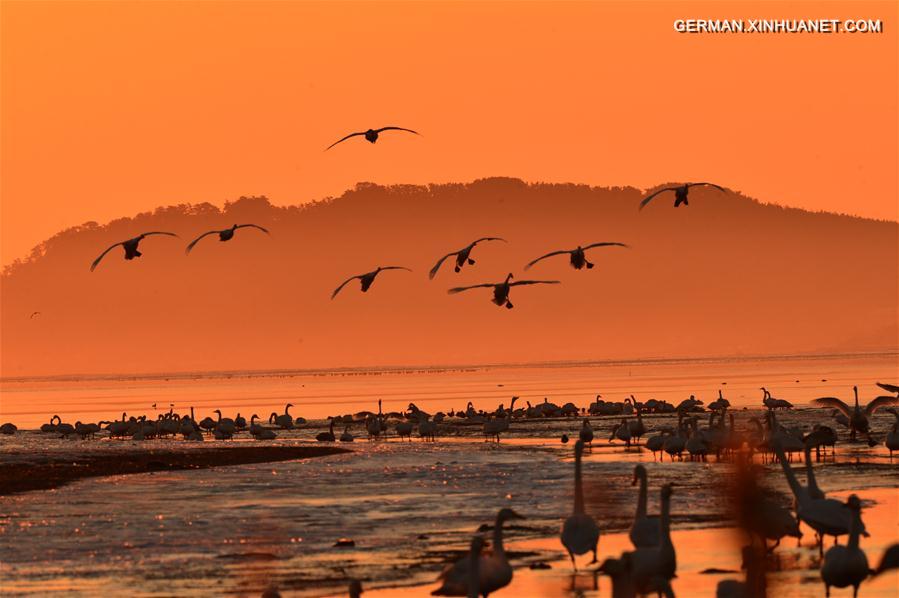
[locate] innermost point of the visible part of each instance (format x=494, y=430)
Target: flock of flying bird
x=501, y=290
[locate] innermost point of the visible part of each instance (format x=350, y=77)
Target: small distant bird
x=130, y=247
x=501, y=289
x=367, y=279
x=577, y=257
x=371, y=135
x=680, y=193
x=463, y=255
x=224, y=235
x=33, y=314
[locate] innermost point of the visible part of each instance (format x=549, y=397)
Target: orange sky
x=112, y=108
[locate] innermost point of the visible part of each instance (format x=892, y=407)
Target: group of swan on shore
x=651, y=565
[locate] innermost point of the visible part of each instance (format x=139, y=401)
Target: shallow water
x=315, y=395
x=411, y=506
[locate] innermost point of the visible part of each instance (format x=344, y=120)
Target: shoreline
x=57, y=470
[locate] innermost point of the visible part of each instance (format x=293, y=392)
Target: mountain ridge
x=727, y=274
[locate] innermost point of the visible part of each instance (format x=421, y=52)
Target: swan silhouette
x=367, y=279
x=846, y=565
x=645, y=530
x=858, y=417
x=680, y=193
x=224, y=235
x=462, y=256
x=579, y=534
x=494, y=570
x=501, y=289
x=371, y=135
x=130, y=247
x=577, y=256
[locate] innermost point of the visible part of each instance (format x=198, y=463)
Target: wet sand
x=43, y=472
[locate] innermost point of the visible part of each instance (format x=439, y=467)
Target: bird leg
x=589, y=265
x=457, y=269
x=509, y=304
x=470, y=262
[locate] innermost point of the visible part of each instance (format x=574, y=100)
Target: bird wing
x=455, y=290
x=879, y=402
x=520, y=282
x=344, y=139
x=543, y=257
x=646, y=200
x=158, y=232
x=439, y=263
x=719, y=188
x=344, y=283
x=488, y=239
x=396, y=129
x=834, y=403
x=197, y=240
x=396, y=268
x=888, y=387
x=265, y=230
x=97, y=261
x=610, y=244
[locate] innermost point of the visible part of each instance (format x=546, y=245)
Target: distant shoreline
x=58, y=470
x=437, y=368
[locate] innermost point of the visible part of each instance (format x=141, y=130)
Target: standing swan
x=654, y=567
x=580, y=534
x=846, y=565
x=494, y=573
x=858, y=417
x=645, y=530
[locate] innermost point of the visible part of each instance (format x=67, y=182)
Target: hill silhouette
x=725, y=276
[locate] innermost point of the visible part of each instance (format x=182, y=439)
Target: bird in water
x=494, y=570
x=579, y=534
x=224, y=235
x=371, y=135
x=680, y=193
x=367, y=279
x=845, y=566
x=858, y=416
x=462, y=256
x=501, y=289
x=577, y=256
x=130, y=246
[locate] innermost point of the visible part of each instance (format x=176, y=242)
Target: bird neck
x=797, y=489
x=665, y=519
x=854, y=529
x=498, y=548
x=809, y=470
x=578, y=485
x=641, y=498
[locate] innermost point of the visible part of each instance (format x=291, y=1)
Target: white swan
x=646, y=529
x=846, y=565
x=654, y=567
x=892, y=439
x=580, y=534
x=828, y=517
x=494, y=570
